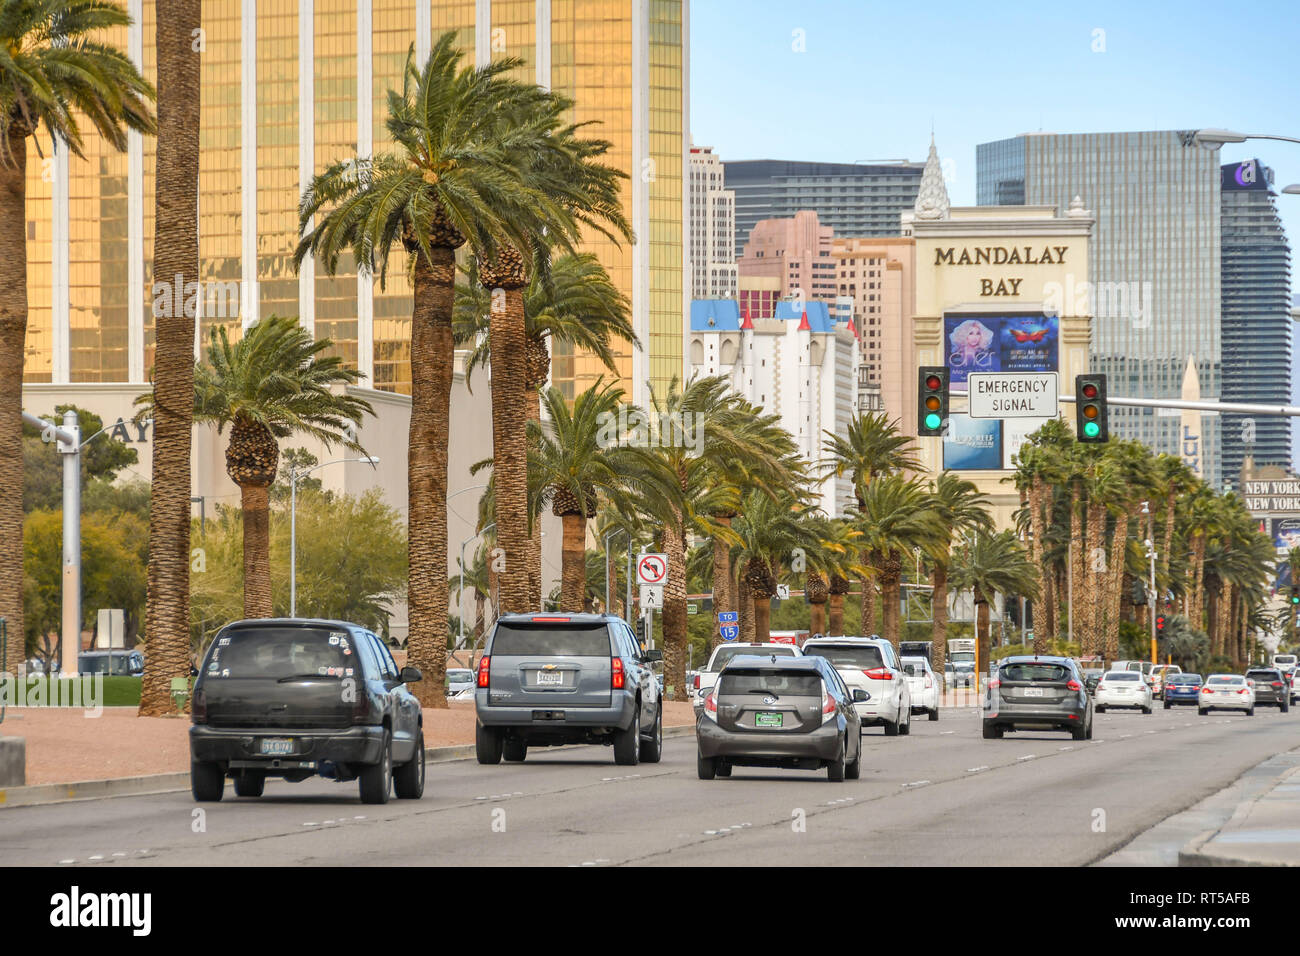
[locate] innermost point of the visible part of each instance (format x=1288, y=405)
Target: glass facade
x=1154, y=261
x=591, y=57
x=1258, y=354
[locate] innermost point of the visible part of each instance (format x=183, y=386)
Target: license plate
x=767, y=720
x=1033, y=692
x=277, y=745
x=555, y=678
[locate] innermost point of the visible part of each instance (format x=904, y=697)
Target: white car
x=1159, y=674
x=1226, y=692
x=459, y=679
x=704, y=681
x=870, y=664
x=1122, y=689
x=923, y=684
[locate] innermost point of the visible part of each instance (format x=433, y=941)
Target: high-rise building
x=877, y=275
x=712, y=228
x=797, y=251
x=1257, y=325
x=1155, y=283
x=854, y=199
x=290, y=86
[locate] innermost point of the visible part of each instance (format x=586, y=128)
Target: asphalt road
x=941, y=796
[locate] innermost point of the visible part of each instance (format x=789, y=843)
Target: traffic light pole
x=1288, y=411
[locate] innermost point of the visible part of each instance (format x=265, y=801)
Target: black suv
x=1271, y=688
x=298, y=698
x=551, y=679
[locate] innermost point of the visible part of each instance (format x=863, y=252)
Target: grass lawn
x=118, y=691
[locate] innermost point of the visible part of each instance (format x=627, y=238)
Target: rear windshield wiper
x=294, y=677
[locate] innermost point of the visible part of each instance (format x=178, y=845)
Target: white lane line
x=916, y=783
x=67, y=861
x=945, y=732
x=97, y=856
x=1026, y=757
x=1064, y=748
x=976, y=769
x=1125, y=736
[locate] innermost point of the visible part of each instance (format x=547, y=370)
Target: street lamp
x=1214, y=138
x=1292, y=190
x=294, y=475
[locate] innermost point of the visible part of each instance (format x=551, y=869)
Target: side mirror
x=860, y=695
x=410, y=675
x=651, y=657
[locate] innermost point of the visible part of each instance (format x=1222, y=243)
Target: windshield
x=458, y=676
x=724, y=654
x=1036, y=672
x=847, y=656
x=1121, y=675
x=276, y=652
x=775, y=683
x=523, y=640
x=1185, y=679
x=1220, y=679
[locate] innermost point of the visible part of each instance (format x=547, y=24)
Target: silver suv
x=550, y=679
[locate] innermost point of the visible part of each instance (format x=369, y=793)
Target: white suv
x=870, y=664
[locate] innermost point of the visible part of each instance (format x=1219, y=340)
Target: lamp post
x=1151, y=557
x=294, y=475
x=609, y=578
x=1214, y=138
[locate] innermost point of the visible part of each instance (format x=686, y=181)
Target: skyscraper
x=290, y=86
x=1155, y=289
x=712, y=228
x=1257, y=324
x=854, y=199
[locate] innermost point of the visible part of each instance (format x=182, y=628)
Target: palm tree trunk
x=13, y=346
x=532, y=401
x=817, y=618
x=868, y=606
x=1197, y=603
x=175, y=260
x=675, y=613
x=983, y=636
x=509, y=448
x=432, y=355
x=890, y=580
x=939, y=617
x=723, y=598
x=745, y=609
x=1075, y=571
x=1095, y=579
x=479, y=601
x=762, y=617
x=255, y=505
x=573, y=562
x=835, y=614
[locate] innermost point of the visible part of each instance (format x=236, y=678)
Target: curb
x=1195, y=854
x=43, y=794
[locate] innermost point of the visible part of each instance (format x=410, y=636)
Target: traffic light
x=640, y=631
x=1090, y=408
x=932, y=400
x=1160, y=623
x=1294, y=596
x=1139, y=594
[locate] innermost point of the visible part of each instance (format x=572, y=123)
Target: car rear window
x=1227, y=680
x=1185, y=679
x=847, y=656
x=724, y=654
x=1036, y=672
x=1121, y=675
x=1264, y=675
x=801, y=683
x=547, y=640
x=275, y=652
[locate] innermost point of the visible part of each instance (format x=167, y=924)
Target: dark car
x=1038, y=693
x=1182, y=689
x=1091, y=678
x=551, y=679
x=795, y=713
x=1271, y=689
x=111, y=663
x=297, y=698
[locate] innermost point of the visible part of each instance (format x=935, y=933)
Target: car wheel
x=1284, y=707
x=723, y=768
x=905, y=729
x=706, y=767
x=377, y=779
x=1166, y=705
x=487, y=745
x=835, y=769
x=513, y=750
x=652, y=747
x=853, y=770
x=250, y=783
x=627, y=743
x=207, y=782
x=408, y=779
x=891, y=729
x=1146, y=710
x=1202, y=711
x=934, y=714
x=1101, y=708
x=992, y=731
x=1088, y=735
x=1251, y=711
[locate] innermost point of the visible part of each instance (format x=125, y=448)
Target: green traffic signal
x=933, y=421
x=1092, y=429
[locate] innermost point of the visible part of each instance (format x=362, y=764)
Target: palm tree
x=53, y=69
x=175, y=260
x=895, y=518
x=831, y=557
x=770, y=529
x=571, y=461
x=988, y=565
x=271, y=384
x=962, y=510
x=457, y=174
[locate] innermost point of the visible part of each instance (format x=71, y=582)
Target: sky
x=850, y=80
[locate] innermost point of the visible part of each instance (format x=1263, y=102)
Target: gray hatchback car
x=787, y=712
x=551, y=679
x=1038, y=693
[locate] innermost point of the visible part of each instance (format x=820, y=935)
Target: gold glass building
x=290, y=86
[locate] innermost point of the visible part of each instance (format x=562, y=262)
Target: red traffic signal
x=1160, y=622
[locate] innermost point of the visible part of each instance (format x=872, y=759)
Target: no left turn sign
x=652, y=568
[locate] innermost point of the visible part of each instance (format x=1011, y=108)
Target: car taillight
x=697, y=682
x=879, y=673
x=484, y=670
x=711, y=706
x=928, y=683
x=828, y=707
x=995, y=683
x=361, y=706
x=1277, y=683
x=1074, y=685
x=1206, y=690
x=616, y=673
x=1243, y=690
x=199, y=706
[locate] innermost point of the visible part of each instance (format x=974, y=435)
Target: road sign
x=783, y=592
x=652, y=596
x=652, y=568
x=692, y=609
x=728, y=617
x=1012, y=394
x=730, y=631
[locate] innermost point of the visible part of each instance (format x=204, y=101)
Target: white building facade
x=712, y=228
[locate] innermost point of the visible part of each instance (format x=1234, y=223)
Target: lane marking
x=976, y=769
x=1026, y=757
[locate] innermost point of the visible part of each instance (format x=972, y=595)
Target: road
x=942, y=796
